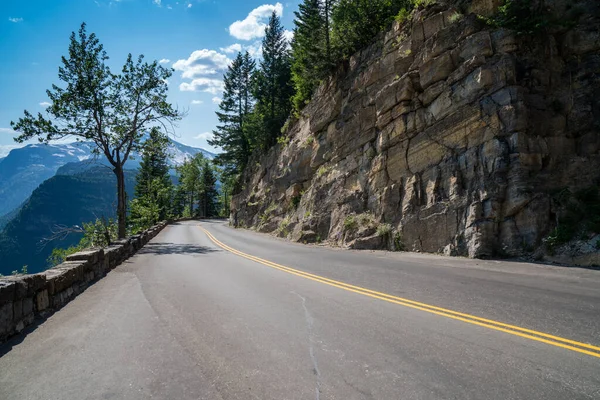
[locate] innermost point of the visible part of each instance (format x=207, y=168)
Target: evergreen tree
x=311, y=49
x=153, y=189
x=273, y=89
x=231, y=134
x=154, y=165
x=209, y=194
x=355, y=23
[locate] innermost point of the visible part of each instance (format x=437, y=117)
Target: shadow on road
x=175, y=248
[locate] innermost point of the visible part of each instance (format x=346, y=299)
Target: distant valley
x=24, y=169
x=43, y=187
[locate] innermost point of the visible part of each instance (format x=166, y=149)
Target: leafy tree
x=273, y=89
x=231, y=134
x=111, y=110
x=190, y=183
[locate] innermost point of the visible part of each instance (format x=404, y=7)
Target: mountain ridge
x=25, y=168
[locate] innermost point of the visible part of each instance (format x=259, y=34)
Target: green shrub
x=350, y=223
x=520, y=16
x=398, y=243
x=402, y=15
x=296, y=201
x=283, y=140
x=384, y=230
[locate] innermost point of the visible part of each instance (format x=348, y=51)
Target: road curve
x=208, y=312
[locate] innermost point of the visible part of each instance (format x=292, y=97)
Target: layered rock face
x=446, y=135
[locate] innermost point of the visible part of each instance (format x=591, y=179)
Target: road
x=208, y=312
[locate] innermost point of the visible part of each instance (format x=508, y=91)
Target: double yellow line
x=557, y=341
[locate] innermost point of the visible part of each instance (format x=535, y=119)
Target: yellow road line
x=468, y=318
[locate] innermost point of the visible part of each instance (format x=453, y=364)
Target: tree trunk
x=121, y=202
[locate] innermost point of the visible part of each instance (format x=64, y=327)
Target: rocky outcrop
x=446, y=135
x=24, y=298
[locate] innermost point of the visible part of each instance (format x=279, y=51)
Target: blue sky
x=196, y=37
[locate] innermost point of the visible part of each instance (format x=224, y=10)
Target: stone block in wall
x=27, y=306
x=436, y=70
x=7, y=291
x=92, y=256
x=478, y=44
x=433, y=25
x=18, y=310
x=6, y=319
x=64, y=275
x=41, y=300
x=114, y=254
x=27, y=285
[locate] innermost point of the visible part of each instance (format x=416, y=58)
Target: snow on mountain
x=24, y=169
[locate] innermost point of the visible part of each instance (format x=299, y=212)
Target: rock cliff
x=445, y=135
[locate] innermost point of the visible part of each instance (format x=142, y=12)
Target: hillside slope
x=446, y=135
x=61, y=200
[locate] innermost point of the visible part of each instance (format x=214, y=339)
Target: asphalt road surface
x=232, y=314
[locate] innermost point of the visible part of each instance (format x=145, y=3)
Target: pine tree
x=273, y=89
x=308, y=53
x=153, y=189
x=355, y=23
x=231, y=134
x=209, y=195
x=154, y=162
x=312, y=52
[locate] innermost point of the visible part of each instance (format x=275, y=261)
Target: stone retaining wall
x=23, y=298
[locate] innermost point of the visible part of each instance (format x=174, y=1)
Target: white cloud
x=197, y=102
x=164, y=61
x=204, y=136
x=204, y=68
x=254, y=25
x=45, y=104
x=169, y=7
x=158, y=2
x=189, y=5
x=289, y=35
x=15, y=20
x=213, y=86
x=216, y=100
x=234, y=48
x=202, y=63
x=254, y=49
x=7, y=130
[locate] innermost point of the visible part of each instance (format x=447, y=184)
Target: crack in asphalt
x=311, y=349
